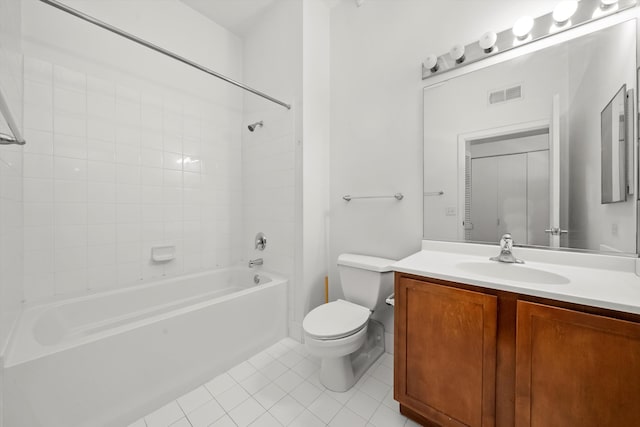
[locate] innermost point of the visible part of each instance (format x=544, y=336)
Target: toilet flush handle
x=391, y=299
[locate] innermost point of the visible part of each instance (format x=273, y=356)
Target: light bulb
x=431, y=63
x=522, y=27
x=457, y=53
x=488, y=41
x=564, y=11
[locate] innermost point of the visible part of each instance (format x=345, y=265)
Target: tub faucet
x=257, y=261
x=506, y=245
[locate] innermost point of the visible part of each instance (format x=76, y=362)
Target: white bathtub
x=108, y=358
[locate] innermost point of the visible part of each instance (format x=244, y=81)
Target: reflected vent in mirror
x=503, y=95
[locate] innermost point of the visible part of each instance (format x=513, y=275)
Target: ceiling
x=235, y=15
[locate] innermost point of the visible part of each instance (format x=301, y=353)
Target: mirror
x=613, y=130
x=516, y=147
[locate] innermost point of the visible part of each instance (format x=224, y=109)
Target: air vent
x=504, y=95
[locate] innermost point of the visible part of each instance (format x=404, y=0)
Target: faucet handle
x=506, y=242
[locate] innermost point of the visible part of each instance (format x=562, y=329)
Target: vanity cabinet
x=575, y=369
x=471, y=356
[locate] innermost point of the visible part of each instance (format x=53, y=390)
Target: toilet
x=336, y=330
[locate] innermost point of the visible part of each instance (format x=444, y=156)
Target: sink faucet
x=506, y=245
x=254, y=262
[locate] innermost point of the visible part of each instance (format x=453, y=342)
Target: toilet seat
x=337, y=319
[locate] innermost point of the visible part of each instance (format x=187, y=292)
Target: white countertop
x=605, y=281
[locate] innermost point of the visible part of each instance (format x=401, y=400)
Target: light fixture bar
x=543, y=26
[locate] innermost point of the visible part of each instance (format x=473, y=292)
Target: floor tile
x=139, y=423
x=274, y=369
x=277, y=350
x=255, y=383
x=325, y=407
x=390, y=402
x=342, y=397
x=386, y=360
x=363, y=404
x=164, y=416
x=232, y=397
x=242, y=371
x=206, y=414
x=269, y=395
x=305, y=368
x=224, y=422
x=220, y=384
x=385, y=417
x=246, y=412
x=266, y=420
x=281, y=386
x=261, y=360
x=347, y=418
x=375, y=388
x=286, y=410
x=288, y=381
x=290, y=359
x=194, y=399
x=182, y=422
x=307, y=419
x=384, y=374
x=305, y=393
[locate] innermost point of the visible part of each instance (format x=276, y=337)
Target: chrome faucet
x=506, y=245
x=254, y=262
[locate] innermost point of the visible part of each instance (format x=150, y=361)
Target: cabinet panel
x=575, y=369
x=446, y=353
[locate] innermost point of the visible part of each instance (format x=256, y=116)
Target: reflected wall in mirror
x=515, y=147
x=613, y=131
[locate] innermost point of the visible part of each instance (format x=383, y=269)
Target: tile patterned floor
x=280, y=387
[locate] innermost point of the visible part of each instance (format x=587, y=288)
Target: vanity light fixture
x=566, y=15
x=457, y=53
x=431, y=63
x=564, y=11
x=488, y=41
x=522, y=28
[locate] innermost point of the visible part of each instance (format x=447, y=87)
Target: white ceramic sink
x=515, y=272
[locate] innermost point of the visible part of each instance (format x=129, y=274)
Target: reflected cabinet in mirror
x=534, y=146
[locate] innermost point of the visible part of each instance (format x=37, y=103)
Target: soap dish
x=163, y=253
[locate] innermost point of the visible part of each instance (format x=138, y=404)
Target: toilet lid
x=336, y=319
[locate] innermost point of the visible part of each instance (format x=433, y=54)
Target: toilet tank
x=365, y=280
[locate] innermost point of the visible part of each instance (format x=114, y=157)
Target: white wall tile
x=37, y=165
x=69, y=146
x=70, y=191
x=69, y=79
x=103, y=181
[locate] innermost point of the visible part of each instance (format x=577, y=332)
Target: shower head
x=255, y=125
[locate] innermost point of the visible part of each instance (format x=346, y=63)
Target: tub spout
x=254, y=262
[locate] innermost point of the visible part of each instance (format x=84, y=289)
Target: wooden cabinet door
x=575, y=369
x=445, y=353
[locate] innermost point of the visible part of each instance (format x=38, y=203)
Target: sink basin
x=515, y=272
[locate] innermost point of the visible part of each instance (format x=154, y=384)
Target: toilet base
x=341, y=373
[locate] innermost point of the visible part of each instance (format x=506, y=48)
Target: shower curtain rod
x=163, y=51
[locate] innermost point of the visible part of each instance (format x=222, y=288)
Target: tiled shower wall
x=10, y=176
x=111, y=171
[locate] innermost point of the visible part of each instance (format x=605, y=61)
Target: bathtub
x=108, y=358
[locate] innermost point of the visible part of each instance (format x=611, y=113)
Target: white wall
x=11, y=206
x=128, y=149
x=376, y=113
x=272, y=64
x=315, y=157
x=599, y=67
